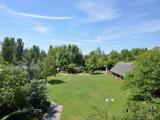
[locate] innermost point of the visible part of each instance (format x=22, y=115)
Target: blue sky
x=109, y=24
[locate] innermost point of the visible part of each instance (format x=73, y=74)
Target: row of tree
x=12, y=50
x=66, y=57
x=97, y=59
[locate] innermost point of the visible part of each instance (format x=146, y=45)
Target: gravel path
x=54, y=112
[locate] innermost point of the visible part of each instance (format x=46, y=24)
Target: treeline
x=66, y=57
x=13, y=51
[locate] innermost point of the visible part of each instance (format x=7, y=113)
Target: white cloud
x=43, y=17
x=132, y=30
x=30, y=15
x=114, y=35
x=97, y=10
x=41, y=29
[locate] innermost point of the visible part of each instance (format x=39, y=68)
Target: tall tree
x=42, y=54
x=95, y=60
x=35, y=53
x=47, y=67
x=97, y=52
x=19, y=50
x=8, y=48
x=113, y=58
x=29, y=63
x=91, y=63
x=126, y=55
x=66, y=55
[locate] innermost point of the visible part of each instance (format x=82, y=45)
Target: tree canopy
x=144, y=80
x=144, y=83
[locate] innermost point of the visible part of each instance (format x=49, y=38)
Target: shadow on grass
x=97, y=73
x=20, y=115
x=56, y=81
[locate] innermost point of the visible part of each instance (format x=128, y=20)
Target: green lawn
x=78, y=93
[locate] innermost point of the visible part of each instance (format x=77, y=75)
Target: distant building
x=121, y=68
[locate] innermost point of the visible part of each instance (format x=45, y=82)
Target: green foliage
x=29, y=65
x=113, y=58
x=8, y=47
x=144, y=80
x=18, y=91
x=142, y=110
x=102, y=61
x=47, y=67
x=66, y=55
x=35, y=53
x=12, y=51
x=126, y=55
x=135, y=52
x=13, y=89
x=71, y=68
x=19, y=50
x=91, y=63
x=2, y=62
x=42, y=54
x=37, y=94
x=97, y=52
x=144, y=83
x=95, y=60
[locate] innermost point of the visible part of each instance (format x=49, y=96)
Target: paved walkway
x=54, y=112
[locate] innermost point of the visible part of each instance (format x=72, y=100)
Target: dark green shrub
x=14, y=86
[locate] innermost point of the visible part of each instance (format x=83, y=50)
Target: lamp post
x=109, y=101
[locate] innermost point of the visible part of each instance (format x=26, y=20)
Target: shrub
x=144, y=80
x=142, y=110
x=144, y=83
x=71, y=68
x=13, y=90
x=37, y=94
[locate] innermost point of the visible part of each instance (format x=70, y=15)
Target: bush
x=37, y=94
x=144, y=83
x=14, y=86
x=142, y=111
x=144, y=80
x=71, y=68
x=18, y=92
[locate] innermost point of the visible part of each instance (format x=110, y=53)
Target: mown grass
x=78, y=93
